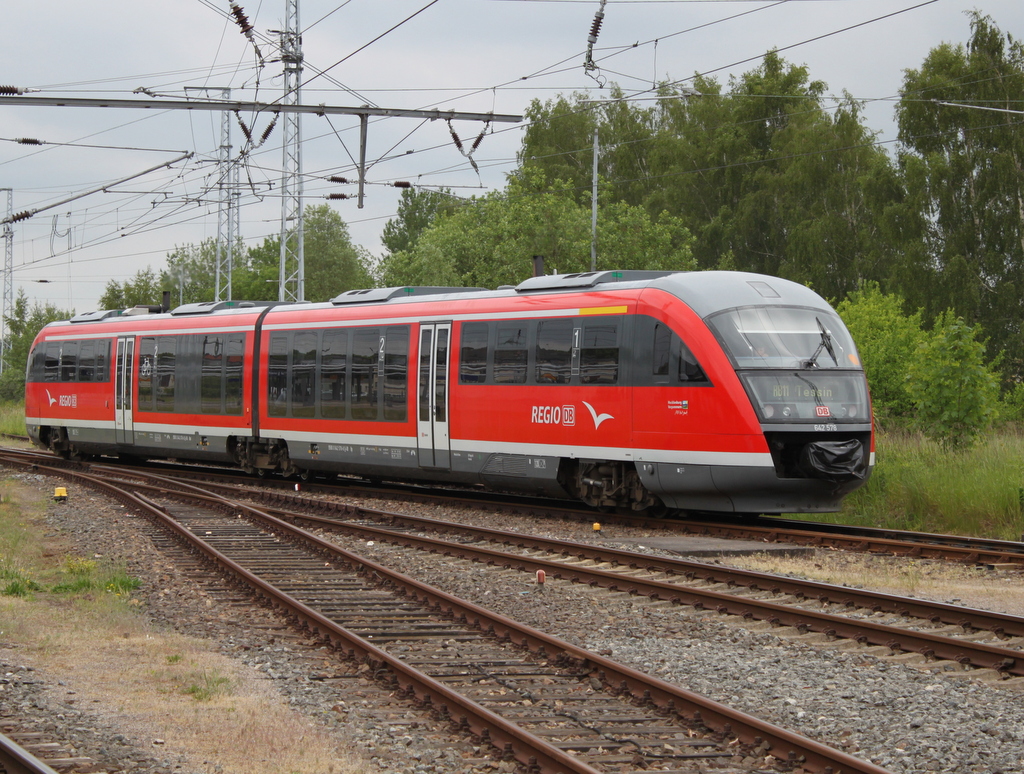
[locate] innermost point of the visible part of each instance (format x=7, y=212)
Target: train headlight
x=769, y=411
x=787, y=411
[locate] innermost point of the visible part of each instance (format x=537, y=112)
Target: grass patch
x=12, y=418
x=206, y=686
x=917, y=485
x=28, y=566
x=208, y=708
x=19, y=586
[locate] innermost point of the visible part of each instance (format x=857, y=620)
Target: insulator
x=269, y=129
x=595, y=28
x=455, y=137
x=241, y=18
x=21, y=216
x=245, y=129
x=28, y=141
x=11, y=90
x=402, y=184
x=336, y=179
x=338, y=196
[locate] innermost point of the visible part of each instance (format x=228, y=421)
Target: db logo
x=822, y=411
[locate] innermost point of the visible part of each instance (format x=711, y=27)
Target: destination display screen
x=822, y=397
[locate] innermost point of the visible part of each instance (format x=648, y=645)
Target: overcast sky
x=474, y=56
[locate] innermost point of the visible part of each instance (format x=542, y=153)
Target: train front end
x=795, y=367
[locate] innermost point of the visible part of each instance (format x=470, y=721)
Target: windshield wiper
x=826, y=344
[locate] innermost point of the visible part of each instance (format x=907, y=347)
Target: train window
x=396, y=373
x=333, y=358
x=34, y=367
x=473, y=357
x=784, y=337
x=69, y=361
x=662, y=350
x=511, y=353
x=147, y=356
x=662, y=358
x=554, y=351
x=211, y=385
x=304, y=347
x=233, y=372
x=599, y=353
x=426, y=335
x=163, y=387
x=277, y=376
x=87, y=361
x=689, y=369
x=441, y=376
x=366, y=346
x=51, y=367
x=101, y=373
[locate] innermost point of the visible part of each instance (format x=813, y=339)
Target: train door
x=433, y=443
x=124, y=428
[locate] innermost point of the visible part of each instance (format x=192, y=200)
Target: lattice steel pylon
x=7, y=303
x=227, y=215
x=228, y=229
x=292, y=271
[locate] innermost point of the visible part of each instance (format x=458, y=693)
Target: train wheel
x=57, y=443
x=654, y=510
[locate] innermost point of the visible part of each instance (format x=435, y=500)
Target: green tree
x=888, y=342
x=967, y=166
x=769, y=175
x=191, y=273
x=333, y=264
x=955, y=390
x=492, y=240
x=143, y=288
x=23, y=323
x=559, y=142
x=417, y=210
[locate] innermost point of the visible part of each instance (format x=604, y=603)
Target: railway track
x=24, y=750
x=551, y=706
x=954, y=548
x=936, y=631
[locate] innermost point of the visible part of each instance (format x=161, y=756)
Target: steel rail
x=1000, y=624
x=1003, y=660
x=996, y=545
x=927, y=546
x=967, y=549
x=783, y=744
x=502, y=734
x=15, y=759
x=1006, y=661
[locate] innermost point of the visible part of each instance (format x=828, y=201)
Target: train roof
x=706, y=292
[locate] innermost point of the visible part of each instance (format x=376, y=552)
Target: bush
x=887, y=340
x=955, y=391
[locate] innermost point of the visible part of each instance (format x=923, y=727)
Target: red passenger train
x=686, y=391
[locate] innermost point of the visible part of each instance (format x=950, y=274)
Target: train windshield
x=784, y=337
x=798, y=365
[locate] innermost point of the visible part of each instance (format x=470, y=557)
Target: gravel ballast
x=883, y=709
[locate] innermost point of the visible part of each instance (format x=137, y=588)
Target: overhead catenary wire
x=389, y=155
